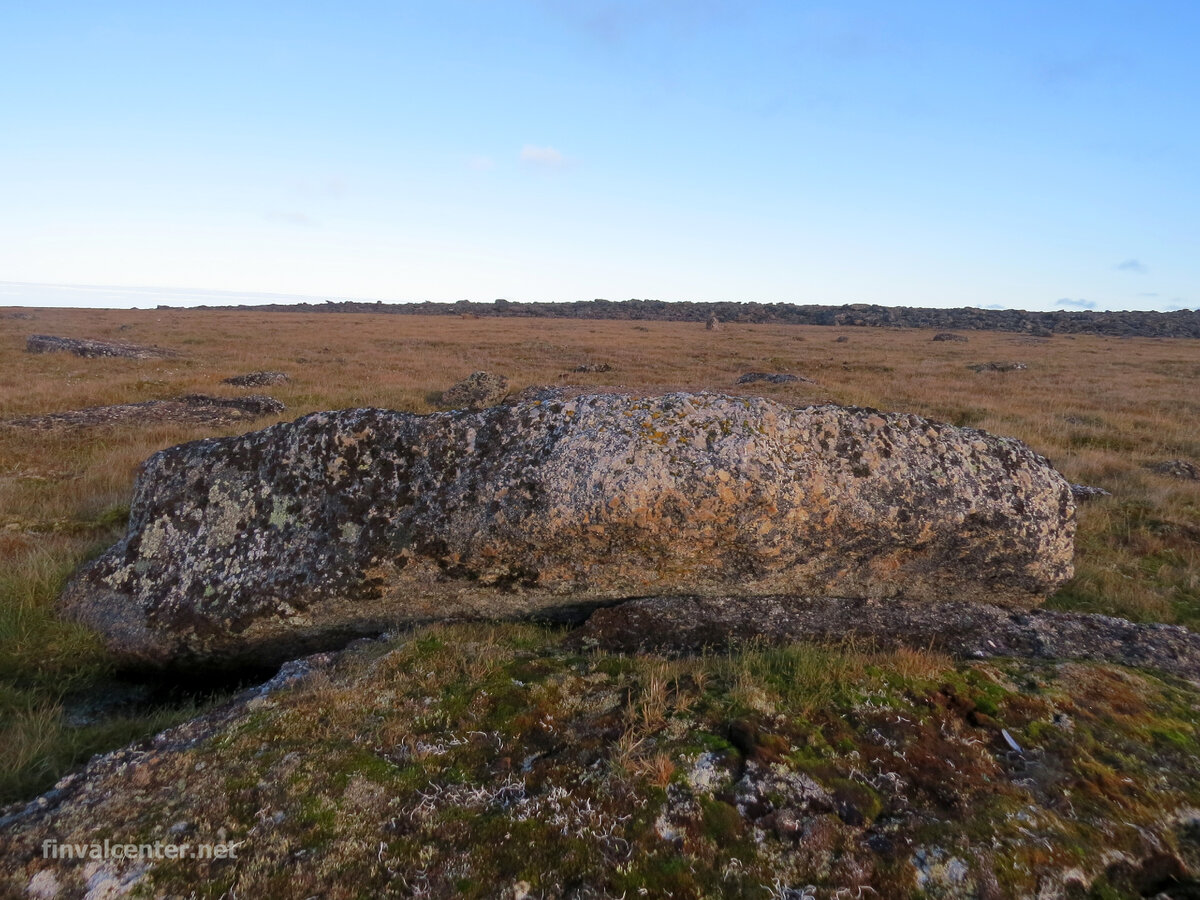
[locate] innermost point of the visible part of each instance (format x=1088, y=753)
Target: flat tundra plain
x=1104, y=410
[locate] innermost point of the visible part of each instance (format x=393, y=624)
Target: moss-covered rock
x=493, y=761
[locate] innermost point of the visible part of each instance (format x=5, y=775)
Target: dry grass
x=1100, y=408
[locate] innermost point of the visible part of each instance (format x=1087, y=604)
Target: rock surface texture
x=344, y=522
x=44, y=343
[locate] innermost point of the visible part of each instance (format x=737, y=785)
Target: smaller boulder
x=841, y=339
x=89, y=349
x=1087, y=492
x=257, y=379
x=478, y=390
x=949, y=336
x=593, y=367
x=998, y=367
x=1177, y=468
x=253, y=405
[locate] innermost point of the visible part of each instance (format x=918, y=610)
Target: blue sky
x=1031, y=155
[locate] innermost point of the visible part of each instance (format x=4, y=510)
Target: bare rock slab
x=191, y=409
x=281, y=540
x=960, y=628
x=773, y=378
x=44, y=343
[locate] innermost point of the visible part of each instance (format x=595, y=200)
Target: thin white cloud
x=481, y=163
x=1078, y=304
x=1133, y=265
x=542, y=157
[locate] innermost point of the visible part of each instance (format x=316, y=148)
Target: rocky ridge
x=1183, y=323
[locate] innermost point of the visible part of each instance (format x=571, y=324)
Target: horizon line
x=199, y=296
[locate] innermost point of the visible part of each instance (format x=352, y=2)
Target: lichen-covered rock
x=477, y=391
x=344, y=522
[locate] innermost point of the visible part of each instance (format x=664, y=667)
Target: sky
x=1032, y=155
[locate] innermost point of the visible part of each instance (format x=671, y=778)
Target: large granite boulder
x=293, y=537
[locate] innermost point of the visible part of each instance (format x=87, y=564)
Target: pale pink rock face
x=293, y=537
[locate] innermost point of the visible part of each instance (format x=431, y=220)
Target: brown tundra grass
x=1102, y=409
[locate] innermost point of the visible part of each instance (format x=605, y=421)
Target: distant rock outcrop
x=192, y=409
x=44, y=343
x=262, y=545
x=772, y=378
x=1181, y=323
x=998, y=367
x=257, y=379
x=477, y=391
x=1177, y=468
x=949, y=336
